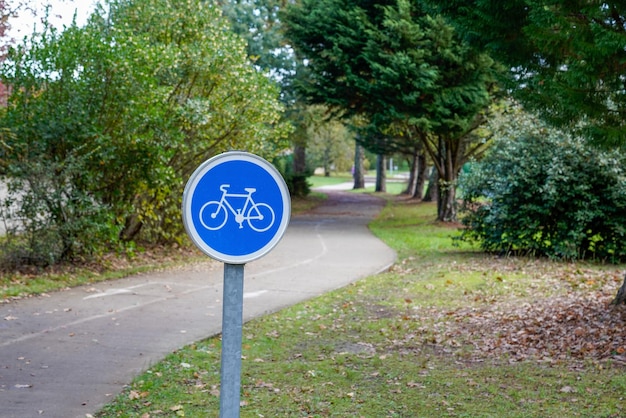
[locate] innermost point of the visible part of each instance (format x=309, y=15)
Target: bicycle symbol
x=260, y=216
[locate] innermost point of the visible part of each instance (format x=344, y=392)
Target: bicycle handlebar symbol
x=259, y=216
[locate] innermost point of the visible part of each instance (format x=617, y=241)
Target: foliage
x=566, y=58
x=547, y=194
x=49, y=220
x=116, y=115
x=405, y=71
x=258, y=23
x=5, y=24
x=423, y=74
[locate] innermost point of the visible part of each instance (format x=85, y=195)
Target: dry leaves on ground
x=573, y=326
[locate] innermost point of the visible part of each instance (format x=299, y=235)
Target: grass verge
x=37, y=281
x=447, y=332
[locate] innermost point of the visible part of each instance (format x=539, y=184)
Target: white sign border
x=190, y=188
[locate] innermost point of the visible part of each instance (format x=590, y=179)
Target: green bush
x=106, y=122
x=547, y=195
x=48, y=219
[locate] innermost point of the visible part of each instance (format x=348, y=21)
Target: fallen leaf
x=568, y=389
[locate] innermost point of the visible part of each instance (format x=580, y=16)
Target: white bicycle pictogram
x=259, y=216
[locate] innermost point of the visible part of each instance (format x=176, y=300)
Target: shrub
x=48, y=219
x=547, y=195
x=106, y=122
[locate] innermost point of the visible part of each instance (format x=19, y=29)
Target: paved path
x=67, y=354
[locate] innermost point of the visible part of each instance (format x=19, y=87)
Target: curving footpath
x=67, y=354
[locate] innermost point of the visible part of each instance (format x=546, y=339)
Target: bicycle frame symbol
x=259, y=216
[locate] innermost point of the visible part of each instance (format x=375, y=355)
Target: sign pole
x=236, y=207
x=232, y=323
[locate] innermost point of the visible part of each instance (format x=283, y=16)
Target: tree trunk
x=358, y=174
x=433, y=191
x=132, y=226
x=620, y=298
x=412, y=183
x=299, y=159
x=381, y=177
x=446, y=204
x=327, y=159
x=422, y=173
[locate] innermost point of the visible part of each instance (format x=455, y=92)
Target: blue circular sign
x=236, y=207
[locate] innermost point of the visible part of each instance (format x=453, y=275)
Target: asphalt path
x=69, y=353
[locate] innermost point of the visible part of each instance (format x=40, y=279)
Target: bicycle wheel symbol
x=213, y=216
x=260, y=217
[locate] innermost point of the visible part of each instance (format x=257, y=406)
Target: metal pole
x=232, y=320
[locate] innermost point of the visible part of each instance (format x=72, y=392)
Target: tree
x=258, y=23
x=330, y=144
x=566, y=59
x=109, y=120
x=358, y=173
x=401, y=68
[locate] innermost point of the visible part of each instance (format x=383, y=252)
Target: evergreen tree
x=566, y=58
x=404, y=70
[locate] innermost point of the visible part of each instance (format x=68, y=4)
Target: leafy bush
x=547, y=195
x=106, y=122
x=48, y=220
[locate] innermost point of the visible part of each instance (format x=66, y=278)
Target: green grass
x=317, y=181
x=34, y=281
x=394, y=187
x=395, y=344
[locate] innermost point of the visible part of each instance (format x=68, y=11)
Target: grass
x=394, y=187
x=336, y=178
x=35, y=281
x=398, y=344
